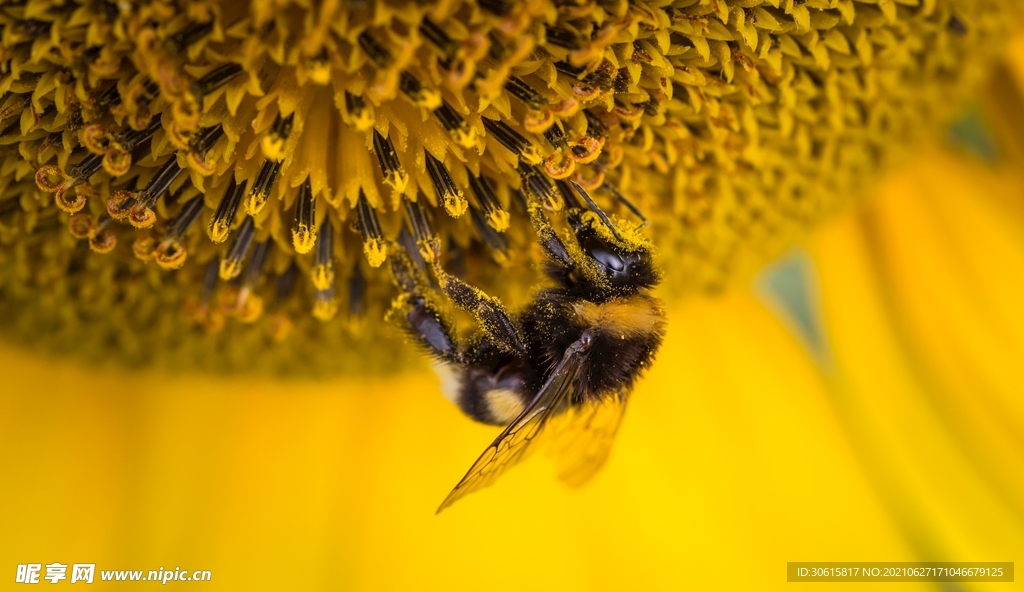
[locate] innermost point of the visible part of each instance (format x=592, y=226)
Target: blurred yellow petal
x=731, y=462
x=920, y=298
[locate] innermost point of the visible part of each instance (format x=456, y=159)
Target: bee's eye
x=606, y=257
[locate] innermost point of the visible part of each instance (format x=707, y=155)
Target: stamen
x=496, y=215
x=323, y=268
x=362, y=117
x=595, y=127
x=210, y=280
x=417, y=93
x=179, y=41
x=224, y=217
x=597, y=210
x=556, y=135
x=273, y=142
x=511, y=139
x=261, y=188
x=496, y=241
x=325, y=305
x=118, y=158
x=438, y=37
x=568, y=195
x=249, y=306
x=285, y=285
x=408, y=244
x=231, y=266
x=215, y=79
x=421, y=228
x=455, y=125
x=200, y=145
x=141, y=214
x=454, y=201
x=304, y=229
x=377, y=53
x=562, y=38
x=525, y=93
x=374, y=247
x=496, y=7
x=171, y=254
x=536, y=184
x=394, y=175
x=356, y=293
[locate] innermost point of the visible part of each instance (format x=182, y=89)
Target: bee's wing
x=516, y=441
x=582, y=437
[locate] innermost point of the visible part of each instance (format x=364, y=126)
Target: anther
x=417, y=93
x=171, y=254
x=446, y=190
x=518, y=88
x=495, y=240
x=495, y=215
x=323, y=267
x=362, y=116
x=259, y=193
x=394, y=175
x=556, y=135
x=224, y=217
x=285, y=284
x=496, y=7
x=182, y=39
x=250, y=307
x=231, y=266
x=215, y=79
x=512, y=140
x=455, y=125
x=374, y=246
x=141, y=214
x=595, y=127
x=377, y=53
x=419, y=221
x=562, y=38
x=537, y=185
x=356, y=293
x=325, y=305
x=273, y=142
x=438, y=37
x=304, y=229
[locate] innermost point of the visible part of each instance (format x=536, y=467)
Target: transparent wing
x=581, y=439
x=520, y=437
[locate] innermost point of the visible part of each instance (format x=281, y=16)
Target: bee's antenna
x=626, y=202
x=600, y=213
x=570, y=199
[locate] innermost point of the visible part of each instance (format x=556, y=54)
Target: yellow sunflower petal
x=731, y=462
x=918, y=303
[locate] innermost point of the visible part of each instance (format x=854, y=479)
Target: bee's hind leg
x=487, y=310
x=417, y=314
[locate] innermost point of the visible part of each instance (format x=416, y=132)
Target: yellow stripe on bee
x=504, y=404
x=636, y=315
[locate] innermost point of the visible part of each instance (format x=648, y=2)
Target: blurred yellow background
x=893, y=434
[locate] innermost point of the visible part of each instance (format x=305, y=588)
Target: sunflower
x=860, y=403
x=219, y=184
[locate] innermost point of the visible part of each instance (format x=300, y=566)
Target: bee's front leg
x=418, y=315
x=487, y=310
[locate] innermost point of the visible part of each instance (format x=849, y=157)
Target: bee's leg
x=417, y=315
x=487, y=310
x=548, y=239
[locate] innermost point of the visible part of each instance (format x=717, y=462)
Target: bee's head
x=621, y=259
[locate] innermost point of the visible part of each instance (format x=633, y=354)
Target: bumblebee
x=561, y=369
